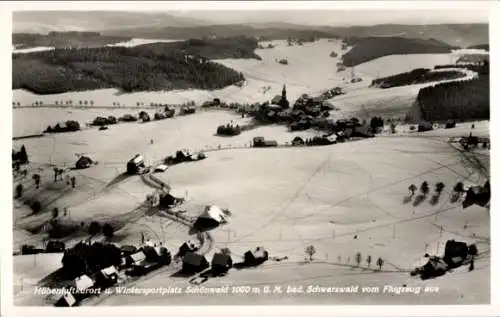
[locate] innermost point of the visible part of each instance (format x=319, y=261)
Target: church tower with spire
x=284, y=102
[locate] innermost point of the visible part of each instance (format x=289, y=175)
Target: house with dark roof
x=194, y=263
x=83, y=162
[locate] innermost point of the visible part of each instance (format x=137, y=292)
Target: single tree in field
x=459, y=187
x=412, y=188
x=18, y=103
x=357, y=258
x=393, y=128
x=369, y=260
x=94, y=228
x=440, y=187
x=73, y=181
x=19, y=190
x=86, y=102
x=80, y=102
x=424, y=188
x=108, y=231
x=91, y=102
x=55, y=213
x=310, y=251
x=36, y=178
x=23, y=155
x=380, y=263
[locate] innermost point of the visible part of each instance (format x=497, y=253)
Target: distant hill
x=47, y=21
x=64, y=40
x=365, y=49
x=157, y=66
x=227, y=30
x=462, y=35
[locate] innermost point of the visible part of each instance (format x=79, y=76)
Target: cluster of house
x=134, y=261
x=456, y=254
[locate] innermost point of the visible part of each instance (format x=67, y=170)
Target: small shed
x=83, y=162
x=194, y=263
x=258, y=141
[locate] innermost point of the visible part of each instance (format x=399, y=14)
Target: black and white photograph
x=193, y=155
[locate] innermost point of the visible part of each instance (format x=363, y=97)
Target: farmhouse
x=107, y=277
x=194, y=263
x=433, y=268
x=83, y=162
x=135, y=258
x=136, y=165
x=211, y=218
x=479, y=195
x=261, y=142
x=221, y=263
x=186, y=247
x=455, y=253
x=256, y=257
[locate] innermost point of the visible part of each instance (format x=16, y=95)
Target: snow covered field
x=131, y=43
x=342, y=199
x=310, y=70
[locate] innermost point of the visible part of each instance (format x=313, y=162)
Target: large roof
x=213, y=212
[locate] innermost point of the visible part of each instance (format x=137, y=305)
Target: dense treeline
x=65, y=39
x=368, y=48
x=460, y=100
x=416, y=76
x=485, y=47
x=159, y=66
x=222, y=31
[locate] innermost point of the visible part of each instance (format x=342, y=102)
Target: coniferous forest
x=459, y=100
x=157, y=66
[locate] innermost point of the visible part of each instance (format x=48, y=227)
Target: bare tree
x=36, y=178
x=310, y=251
x=412, y=188
x=424, y=188
x=380, y=263
x=358, y=258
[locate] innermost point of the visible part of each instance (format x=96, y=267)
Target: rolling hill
x=47, y=21
x=157, y=66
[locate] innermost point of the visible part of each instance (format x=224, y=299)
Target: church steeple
x=284, y=102
x=283, y=93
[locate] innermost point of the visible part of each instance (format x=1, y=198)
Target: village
x=276, y=166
